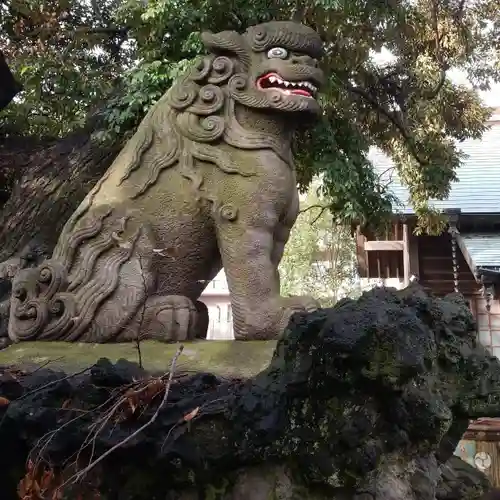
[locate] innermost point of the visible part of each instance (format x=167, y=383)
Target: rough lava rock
x=363, y=401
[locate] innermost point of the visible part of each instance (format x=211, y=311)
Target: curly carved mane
x=198, y=112
x=192, y=118
x=195, y=121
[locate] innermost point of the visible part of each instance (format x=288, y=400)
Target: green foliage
x=319, y=258
x=73, y=56
x=67, y=54
x=335, y=151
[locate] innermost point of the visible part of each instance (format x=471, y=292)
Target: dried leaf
x=23, y=487
x=132, y=406
x=57, y=494
x=189, y=416
x=35, y=489
x=15, y=374
x=47, y=479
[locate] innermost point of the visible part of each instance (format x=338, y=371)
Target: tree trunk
x=42, y=182
x=48, y=184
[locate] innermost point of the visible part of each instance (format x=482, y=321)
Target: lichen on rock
x=366, y=400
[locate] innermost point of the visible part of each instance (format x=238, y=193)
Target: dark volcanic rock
x=363, y=401
x=460, y=480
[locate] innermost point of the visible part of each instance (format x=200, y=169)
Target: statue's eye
x=277, y=52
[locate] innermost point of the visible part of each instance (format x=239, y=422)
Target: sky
x=491, y=98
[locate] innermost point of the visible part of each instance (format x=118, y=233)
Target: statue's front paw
x=292, y=305
x=301, y=303
x=268, y=322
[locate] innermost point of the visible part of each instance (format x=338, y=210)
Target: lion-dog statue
x=206, y=182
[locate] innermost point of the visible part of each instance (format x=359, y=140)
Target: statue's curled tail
x=89, y=290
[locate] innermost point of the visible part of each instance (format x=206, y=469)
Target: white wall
x=368, y=283
x=216, y=297
x=488, y=324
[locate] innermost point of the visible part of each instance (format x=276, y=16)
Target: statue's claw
x=300, y=303
x=171, y=318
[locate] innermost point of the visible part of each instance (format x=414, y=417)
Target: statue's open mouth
x=275, y=81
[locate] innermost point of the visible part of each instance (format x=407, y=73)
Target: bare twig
x=387, y=170
x=50, y=384
x=90, y=439
x=47, y=438
x=197, y=413
x=97, y=427
x=43, y=365
x=322, y=208
x=43, y=387
x=321, y=212
x=141, y=317
x=310, y=207
x=76, y=477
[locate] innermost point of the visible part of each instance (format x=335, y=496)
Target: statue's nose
x=305, y=60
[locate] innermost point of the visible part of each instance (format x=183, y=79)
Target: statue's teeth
x=273, y=79
x=308, y=85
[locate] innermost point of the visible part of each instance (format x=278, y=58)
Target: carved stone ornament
x=206, y=182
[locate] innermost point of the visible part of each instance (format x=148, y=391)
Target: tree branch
x=391, y=117
x=379, y=177
x=310, y=207
x=70, y=33
x=437, y=48
x=321, y=212
x=111, y=30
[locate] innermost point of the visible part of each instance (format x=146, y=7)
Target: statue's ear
x=227, y=43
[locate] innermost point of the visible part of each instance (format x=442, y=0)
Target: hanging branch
x=311, y=207
x=391, y=116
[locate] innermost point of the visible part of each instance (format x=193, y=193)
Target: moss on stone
x=225, y=358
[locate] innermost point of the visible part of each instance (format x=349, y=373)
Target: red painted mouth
x=275, y=81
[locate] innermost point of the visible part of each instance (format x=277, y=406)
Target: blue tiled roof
x=478, y=187
x=484, y=249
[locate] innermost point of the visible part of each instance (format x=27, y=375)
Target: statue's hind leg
x=168, y=318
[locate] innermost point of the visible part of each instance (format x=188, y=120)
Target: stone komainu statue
x=206, y=182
